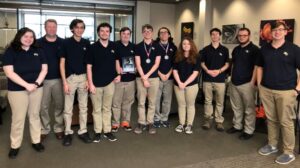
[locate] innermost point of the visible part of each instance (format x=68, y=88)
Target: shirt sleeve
x=226, y=55
x=43, y=57
x=8, y=57
x=63, y=50
x=175, y=66
x=259, y=59
x=90, y=55
x=197, y=66
x=297, y=54
x=202, y=54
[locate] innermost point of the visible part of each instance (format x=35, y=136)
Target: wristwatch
x=37, y=84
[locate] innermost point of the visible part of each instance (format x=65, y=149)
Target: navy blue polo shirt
x=103, y=61
x=186, y=69
x=214, y=59
x=243, y=59
x=123, y=54
x=52, y=51
x=27, y=64
x=166, y=63
x=279, y=66
x=141, y=52
x=75, y=54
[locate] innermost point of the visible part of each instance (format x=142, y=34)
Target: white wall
x=142, y=17
x=252, y=12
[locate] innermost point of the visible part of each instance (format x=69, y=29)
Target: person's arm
x=42, y=74
x=259, y=74
x=224, y=68
x=209, y=72
x=89, y=72
x=191, y=78
x=177, y=78
x=63, y=75
x=119, y=72
x=138, y=65
x=9, y=72
x=254, y=75
x=154, y=67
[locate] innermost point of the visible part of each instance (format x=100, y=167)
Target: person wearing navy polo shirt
x=73, y=74
x=165, y=91
x=102, y=75
x=278, y=88
x=53, y=90
x=125, y=90
x=147, y=59
x=242, y=90
x=186, y=70
x=25, y=66
x=214, y=62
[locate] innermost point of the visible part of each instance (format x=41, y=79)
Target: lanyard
x=166, y=49
x=148, y=52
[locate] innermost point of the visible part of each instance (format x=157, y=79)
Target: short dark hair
x=104, y=25
x=245, y=29
x=74, y=23
x=123, y=29
x=169, y=32
x=277, y=23
x=215, y=30
x=16, y=42
x=147, y=26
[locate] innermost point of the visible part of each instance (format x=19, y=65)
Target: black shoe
x=85, y=137
x=38, y=147
x=233, y=130
x=110, y=136
x=245, y=136
x=127, y=128
x=156, y=124
x=13, y=153
x=67, y=141
x=165, y=124
x=97, y=137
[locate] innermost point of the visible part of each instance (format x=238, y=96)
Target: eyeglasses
x=278, y=30
x=243, y=35
x=163, y=32
x=147, y=31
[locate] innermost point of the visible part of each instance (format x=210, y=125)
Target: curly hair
x=16, y=42
x=193, y=53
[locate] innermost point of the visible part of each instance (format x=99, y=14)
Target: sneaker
x=267, y=150
x=206, y=125
x=114, y=129
x=188, y=129
x=245, y=136
x=165, y=124
x=285, y=159
x=219, y=127
x=97, y=138
x=67, y=141
x=85, y=137
x=233, y=130
x=59, y=135
x=139, y=129
x=13, y=153
x=152, y=129
x=110, y=136
x=156, y=124
x=127, y=128
x=179, y=128
x=38, y=147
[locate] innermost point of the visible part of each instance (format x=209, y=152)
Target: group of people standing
x=51, y=70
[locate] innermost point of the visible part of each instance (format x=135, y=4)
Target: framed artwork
x=128, y=65
x=187, y=29
x=230, y=33
x=265, y=30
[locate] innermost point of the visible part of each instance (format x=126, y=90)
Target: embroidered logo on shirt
x=171, y=49
x=112, y=51
x=153, y=48
x=247, y=51
x=286, y=53
x=84, y=48
x=132, y=51
x=36, y=54
x=220, y=54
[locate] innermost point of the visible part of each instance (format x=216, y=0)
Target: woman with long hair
x=25, y=67
x=186, y=70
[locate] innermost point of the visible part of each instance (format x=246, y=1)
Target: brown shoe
x=219, y=127
x=59, y=135
x=207, y=124
x=43, y=137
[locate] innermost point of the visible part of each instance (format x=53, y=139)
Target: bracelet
x=37, y=84
x=298, y=91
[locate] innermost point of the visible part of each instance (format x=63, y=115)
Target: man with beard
x=242, y=91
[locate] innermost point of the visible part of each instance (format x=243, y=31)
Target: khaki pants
x=151, y=94
x=242, y=98
x=165, y=91
x=76, y=82
x=279, y=107
x=102, y=102
x=22, y=103
x=186, y=103
x=53, y=91
x=122, y=102
x=219, y=88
